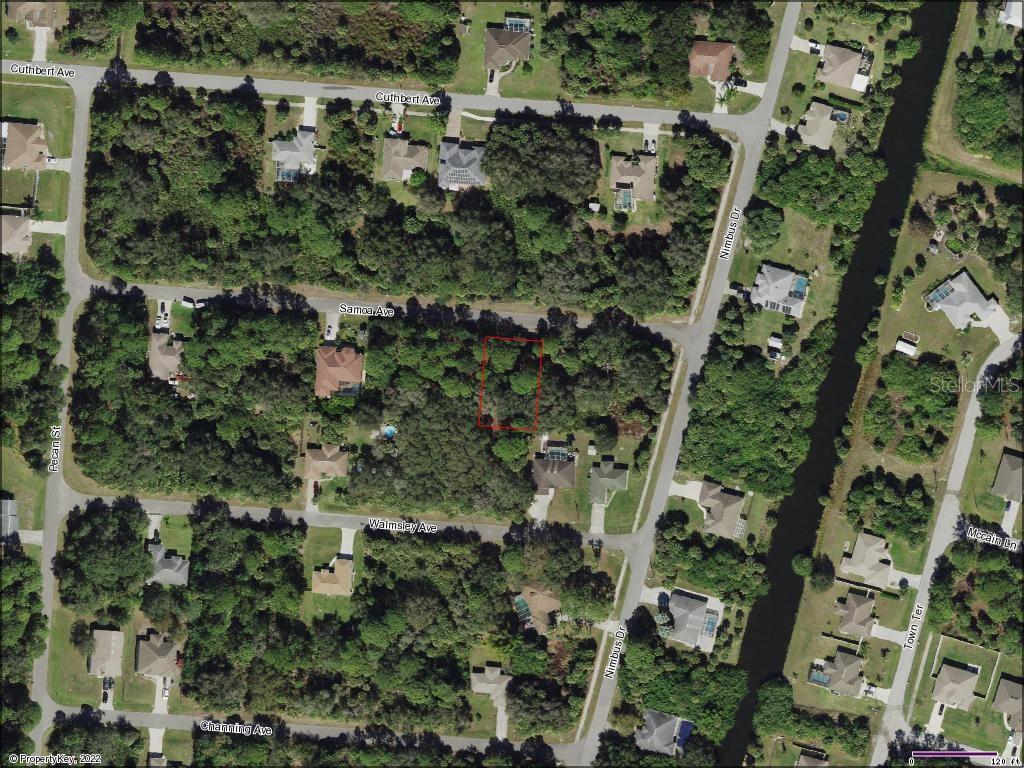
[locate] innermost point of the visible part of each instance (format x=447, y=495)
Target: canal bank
x=772, y=618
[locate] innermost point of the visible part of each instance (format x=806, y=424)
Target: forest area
x=196, y=159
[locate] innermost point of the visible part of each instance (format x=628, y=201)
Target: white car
x=163, y=314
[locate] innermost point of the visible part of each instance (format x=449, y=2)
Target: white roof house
x=1012, y=13
x=780, y=290
x=960, y=299
x=817, y=126
x=296, y=156
x=906, y=347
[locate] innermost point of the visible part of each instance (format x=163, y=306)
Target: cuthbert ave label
x=413, y=99
x=38, y=71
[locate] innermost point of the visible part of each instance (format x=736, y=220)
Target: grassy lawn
x=133, y=692
x=321, y=545
x=621, y=511
x=979, y=727
x=941, y=142
x=975, y=498
x=800, y=68
x=907, y=555
x=278, y=126
x=21, y=48
x=921, y=705
x=69, y=683
x=27, y=487
x=894, y=611
x=485, y=717
x=967, y=653
x=474, y=130
x=178, y=746
x=18, y=187
x=52, y=197
x=52, y=106
x=882, y=657
x=176, y=534
x=181, y=319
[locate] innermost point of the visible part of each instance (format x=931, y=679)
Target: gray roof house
x=870, y=560
x=105, y=660
x=954, y=686
x=156, y=655
x=780, y=290
x=845, y=672
x=691, y=616
x=658, y=733
x=168, y=568
x=633, y=177
x=606, y=477
x=817, y=126
x=460, y=165
x=490, y=680
x=723, y=509
x=504, y=46
x=960, y=299
x=1008, y=701
x=855, y=614
x=845, y=68
x=1009, y=476
x=294, y=157
x=553, y=473
x=8, y=517
x=401, y=158
x=16, y=234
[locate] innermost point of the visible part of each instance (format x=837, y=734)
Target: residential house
x=960, y=299
x=954, y=685
x=324, y=462
x=15, y=234
x=780, y=290
x=845, y=672
x=817, y=126
x=156, y=655
x=23, y=146
x=552, y=474
x=338, y=369
x=537, y=606
x=164, y=356
x=105, y=660
x=507, y=45
x=633, y=178
x=606, y=477
x=168, y=566
x=489, y=680
x=8, y=517
x=693, y=620
x=869, y=562
x=711, y=60
x=294, y=157
x=723, y=510
x=401, y=158
x=811, y=759
x=1008, y=701
x=855, y=614
x=334, y=578
x=845, y=68
x=1012, y=13
x=1009, y=480
x=658, y=733
x=460, y=165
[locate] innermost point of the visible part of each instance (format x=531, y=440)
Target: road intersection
x=749, y=130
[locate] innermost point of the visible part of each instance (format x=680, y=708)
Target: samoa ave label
x=365, y=311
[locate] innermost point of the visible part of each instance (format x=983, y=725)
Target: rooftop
x=711, y=60
x=780, y=290
x=164, y=355
x=817, y=126
x=637, y=173
x=723, y=508
x=553, y=473
x=24, y=147
x=960, y=299
x=845, y=672
x=401, y=158
x=658, y=733
x=855, y=614
x=1008, y=701
x=334, y=578
x=1010, y=476
x=8, y=517
x=843, y=67
x=690, y=614
x=15, y=234
x=504, y=47
x=870, y=560
x=295, y=156
x=168, y=567
x=954, y=686
x=542, y=603
x=105, y=660
x=156, y=655
x=460, y=165
x=606, y=477
x=337, y=369
x=325, y=461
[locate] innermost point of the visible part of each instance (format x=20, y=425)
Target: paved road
x=750, y=130
x=943, y=536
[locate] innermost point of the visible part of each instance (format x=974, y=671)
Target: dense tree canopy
x=119, y=742
x=617, y=750
x=103, y=564
x=776, y=714
x=913, y=409
x=882, y=502
x=33, y=299
x=1002, y=409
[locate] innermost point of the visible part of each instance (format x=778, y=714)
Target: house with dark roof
x=1009, y=476
x=338, y=369
x=692, y=618
x=505, y=46
x=324, y=462
x=711, y=60
x=553, y=473
x=168, y=566
x=845, y=672
x=658, y=733
x=460, y=165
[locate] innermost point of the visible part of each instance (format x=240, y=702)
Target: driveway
x=886, y=633
x=309, y=111
x=48, y=227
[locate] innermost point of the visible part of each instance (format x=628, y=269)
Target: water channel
x=771, y=620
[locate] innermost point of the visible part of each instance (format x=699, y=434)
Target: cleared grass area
x=181, y=319
x=176, y=534
x=18, y=187
x=975, y=498
x=485, y=716
x=321, y=545
x=894, y=611
x=52, y=106
x=800, y=69
x=68, y=680
x=26, y=486
x=978, y=727
x=52, y=196
x=621, y=511
x=921, y=705
x=19, y=49
x=133, y=692
x=178, y=746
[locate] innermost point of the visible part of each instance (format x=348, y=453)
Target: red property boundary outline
x=483, y=380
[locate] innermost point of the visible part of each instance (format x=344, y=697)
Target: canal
x=771, y=619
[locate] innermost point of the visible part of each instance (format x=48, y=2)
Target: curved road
x=751, y=131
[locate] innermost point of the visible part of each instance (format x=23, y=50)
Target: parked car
x=106, y=696
x=163, y=315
